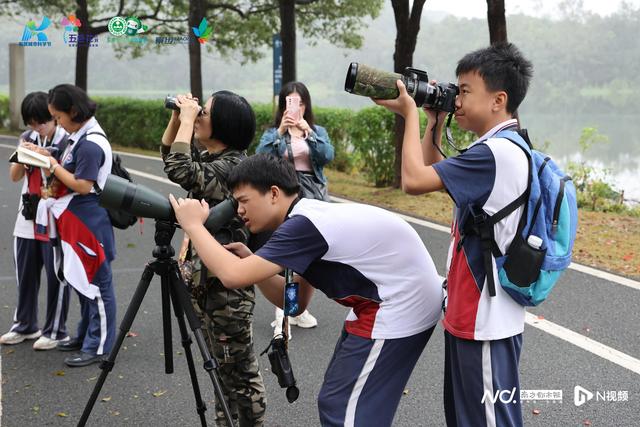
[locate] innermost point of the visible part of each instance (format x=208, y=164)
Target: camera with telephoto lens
x=170, y=104
x=281, y=367
x=373, y=83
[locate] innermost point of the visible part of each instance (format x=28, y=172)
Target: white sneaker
x=46, y=343
x=11, y=338
x=304, y=320
x=277, y=324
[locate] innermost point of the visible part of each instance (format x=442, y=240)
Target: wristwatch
x=53, y=167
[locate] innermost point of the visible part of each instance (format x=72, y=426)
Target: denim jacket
x=320, y=148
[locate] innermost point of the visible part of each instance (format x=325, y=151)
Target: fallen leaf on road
x=11, y=350
x=159, y=393
x=59, y=373
x=36, y=408
x=106, y=399
x=62, y=414
x=115, y=413
x=540, y=317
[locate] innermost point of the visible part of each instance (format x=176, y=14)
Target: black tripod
x=173, y=291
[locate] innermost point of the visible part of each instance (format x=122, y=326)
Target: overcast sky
x=478, y=8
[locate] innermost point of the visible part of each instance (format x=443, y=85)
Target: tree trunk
x=497, y=22
x=288, y=37
x=407, y=28
x=196, y=13
x=82, y=49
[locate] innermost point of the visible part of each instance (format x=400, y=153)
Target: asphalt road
x=38, y=389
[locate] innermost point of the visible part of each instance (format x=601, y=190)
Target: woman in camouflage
x=224, y=128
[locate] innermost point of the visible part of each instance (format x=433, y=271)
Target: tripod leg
x=166, y=323
x=210, y=364
x=125, y=325
x=186, y=344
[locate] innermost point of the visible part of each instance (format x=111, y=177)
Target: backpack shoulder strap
x=96, y=187
x=524, y=145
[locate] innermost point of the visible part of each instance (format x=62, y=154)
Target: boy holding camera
x=32, y=249
x=360, y=256
x=224, y=127
x=483, y=334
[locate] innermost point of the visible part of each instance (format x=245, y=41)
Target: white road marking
x=585, y=343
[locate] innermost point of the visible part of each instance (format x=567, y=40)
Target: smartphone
x=293, y=106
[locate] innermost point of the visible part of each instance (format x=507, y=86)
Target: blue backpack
x=541, y=248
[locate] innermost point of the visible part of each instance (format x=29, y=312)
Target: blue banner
x=277, y=64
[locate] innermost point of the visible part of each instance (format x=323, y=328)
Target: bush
x=4, y=111
x=133, y=122
x=337, y=122
x=372, y=136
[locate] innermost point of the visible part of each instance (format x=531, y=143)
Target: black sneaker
x=82, y=359
x=74, y=344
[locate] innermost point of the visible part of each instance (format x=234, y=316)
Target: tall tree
x=407, y=29
x=497, y=22
x=338, y=22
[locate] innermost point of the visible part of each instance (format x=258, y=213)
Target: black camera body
x=440, y=97
x=281, y=367
x=443, y=97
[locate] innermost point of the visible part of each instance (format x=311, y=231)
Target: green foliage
x=372, y=136
x=593, y=186
x=264, y=120
x=4, y=111
x=337, y=122
x=133, y=122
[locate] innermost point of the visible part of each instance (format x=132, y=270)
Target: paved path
x=585, y=335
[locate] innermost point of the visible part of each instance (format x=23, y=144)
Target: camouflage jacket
x=204, y=176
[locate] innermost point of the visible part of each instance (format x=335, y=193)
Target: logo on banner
x=131, y=27
x=34, y=35
x=203, y=32
x=71, y=36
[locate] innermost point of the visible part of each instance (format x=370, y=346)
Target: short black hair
x=305, y=97
x=503, y=68
x=34, y=108
x=261, y=171
x=233, y=121
x=74, y=101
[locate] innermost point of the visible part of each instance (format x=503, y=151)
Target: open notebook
x=28, y=157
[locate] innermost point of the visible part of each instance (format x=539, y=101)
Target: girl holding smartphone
x=296, y=136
